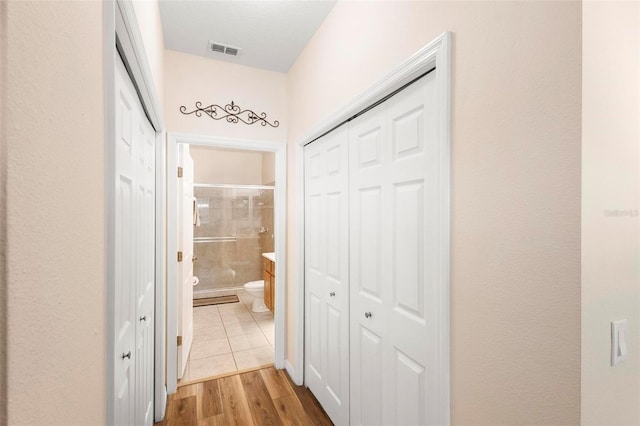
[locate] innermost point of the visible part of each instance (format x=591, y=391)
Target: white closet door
x=135, y=240
x=125, y=265
x=392, y=254
x=145, y=296
x=327, y=274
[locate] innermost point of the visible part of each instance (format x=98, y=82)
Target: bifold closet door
x=135, y=261
x=393, y=260
x=145, y=269
x=327, y=274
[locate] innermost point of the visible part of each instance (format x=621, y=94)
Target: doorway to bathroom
x=226, y=223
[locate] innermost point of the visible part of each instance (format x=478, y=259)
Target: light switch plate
x=618, y=341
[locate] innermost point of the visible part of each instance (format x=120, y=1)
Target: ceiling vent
x=222, y=48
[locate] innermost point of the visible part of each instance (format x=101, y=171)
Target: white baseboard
x=161, y=407
x=297, y=379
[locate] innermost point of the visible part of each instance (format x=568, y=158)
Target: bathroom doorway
x=231, y=316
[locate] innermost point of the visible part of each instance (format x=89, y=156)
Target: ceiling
x=270, y=34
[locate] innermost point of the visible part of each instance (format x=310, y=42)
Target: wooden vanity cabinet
x=269, y=282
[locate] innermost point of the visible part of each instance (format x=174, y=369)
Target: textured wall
x=268, y=168
x=229, y=167
x=189, y=78
x=515, y=277
x=150, y=26
x=53, y=111
x=610, y=203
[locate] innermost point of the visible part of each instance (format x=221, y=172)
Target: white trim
x=130, y=41
x=121, y=29
x=435, y=54
x=232, y=186
x=299, y=308
x=109, y=58
x=160, y=390
x=419, y=63
x=171, y=320
x=292, y=372
x=280, y=203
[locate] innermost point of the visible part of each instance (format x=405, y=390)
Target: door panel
x=314, y=346
x=368, y=232
x=408, y=249
x=367, y=210
x=370, y=380
x=135, y=261
x=327, y=274
x=185, y=245
x=125, y=267
x=146, y=274
x=410, y=390
x=393, y=171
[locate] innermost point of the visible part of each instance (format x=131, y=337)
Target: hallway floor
x=229, y=338
x=259, y=397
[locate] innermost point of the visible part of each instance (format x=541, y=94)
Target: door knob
x=127, y=355
x=144, y=318
x=332, y=294
x=367, y=314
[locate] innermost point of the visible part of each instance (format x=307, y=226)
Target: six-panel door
x=134, y=269
x=391, y=227
x=327, y=274
x=392, y=177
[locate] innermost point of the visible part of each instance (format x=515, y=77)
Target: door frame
x=436, y=54
x=280, y=204
x=122, y=37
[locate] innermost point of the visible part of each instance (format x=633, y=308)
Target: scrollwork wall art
x=230, y=112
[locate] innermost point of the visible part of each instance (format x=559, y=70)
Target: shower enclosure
x=236, y=227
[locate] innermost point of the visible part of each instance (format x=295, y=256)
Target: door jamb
x=122, y=37
x=280, y=202
x=436, y=54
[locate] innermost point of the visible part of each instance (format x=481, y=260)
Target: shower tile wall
x=235, y=229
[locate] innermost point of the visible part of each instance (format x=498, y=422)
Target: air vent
x=217, y=48
x=222, y=48
x=231, y=51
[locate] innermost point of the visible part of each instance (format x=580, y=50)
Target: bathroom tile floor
x=229, y=338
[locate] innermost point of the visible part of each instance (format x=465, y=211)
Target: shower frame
x=224, y=291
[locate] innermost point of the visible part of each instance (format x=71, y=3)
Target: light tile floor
x=228, y=338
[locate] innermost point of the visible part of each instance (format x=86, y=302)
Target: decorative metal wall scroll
x=231, y=112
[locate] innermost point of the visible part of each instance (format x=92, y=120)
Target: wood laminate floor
x=260, y=397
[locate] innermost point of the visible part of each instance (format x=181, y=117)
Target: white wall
x=3, y=202
x=190, y=78
x=610, y=203
x=515, y=278
x=268, y=168
x=216, y=166
x=52, y=107
x=150, y=25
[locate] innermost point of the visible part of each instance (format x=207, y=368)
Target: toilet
x=256, y=289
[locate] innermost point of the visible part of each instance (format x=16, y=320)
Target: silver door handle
x=367, y=314
x=127, y=355
x=332, y=294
